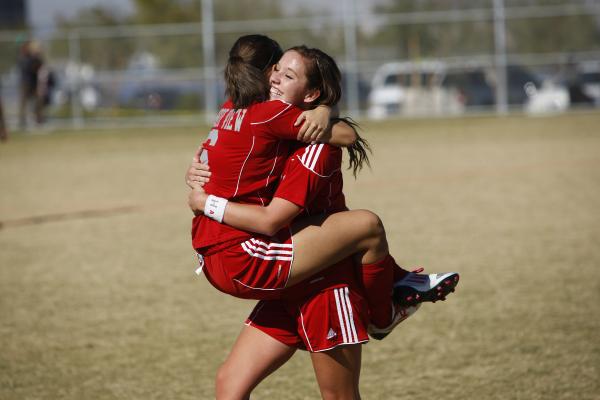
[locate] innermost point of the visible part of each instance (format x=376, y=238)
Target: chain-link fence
x=498, y=58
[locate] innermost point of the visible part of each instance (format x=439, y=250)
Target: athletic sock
x=378, y=279
x=399, y=272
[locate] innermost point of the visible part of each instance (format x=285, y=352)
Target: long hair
x=322, y=73
x=358, y=153
x=250, y=58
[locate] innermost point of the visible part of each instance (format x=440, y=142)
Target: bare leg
x=321, y=241
x=324, y=240
x=254, y=356
x=338, y=372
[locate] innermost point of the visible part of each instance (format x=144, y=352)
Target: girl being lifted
x=246, y=150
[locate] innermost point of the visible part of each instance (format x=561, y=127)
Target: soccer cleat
x=400, y=314
x=416, y=288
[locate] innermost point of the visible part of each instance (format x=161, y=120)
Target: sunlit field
x=98, y=298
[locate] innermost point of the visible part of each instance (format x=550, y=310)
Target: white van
x=410, y=88
x=428, y=88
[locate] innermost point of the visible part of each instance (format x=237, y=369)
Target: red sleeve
x=276, y=118
x=307, y=174
x=298, y=184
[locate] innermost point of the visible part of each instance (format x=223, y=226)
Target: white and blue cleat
x=417, y=288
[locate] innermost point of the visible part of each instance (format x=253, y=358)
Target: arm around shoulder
x=342, y=134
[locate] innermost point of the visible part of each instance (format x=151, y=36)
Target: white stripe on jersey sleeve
x=316, y=157
x=306, y=156
x=310, y=157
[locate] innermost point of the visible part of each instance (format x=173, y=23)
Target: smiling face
x=288, y=81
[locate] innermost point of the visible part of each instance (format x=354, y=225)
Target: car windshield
x=590, y=77
x=462, y=79
x=396, y=79
x=518, y=76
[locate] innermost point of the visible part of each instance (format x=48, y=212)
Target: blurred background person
x=33, y=82
x=3, y=131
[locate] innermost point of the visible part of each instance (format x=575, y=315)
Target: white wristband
x=215, y=207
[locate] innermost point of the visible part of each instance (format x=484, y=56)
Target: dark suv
x=475, y=87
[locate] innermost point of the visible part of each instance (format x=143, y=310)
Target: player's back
x=246, y=150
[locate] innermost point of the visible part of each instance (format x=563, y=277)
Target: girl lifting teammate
x=245, y=283
x=326, y=314
x=247, y=371
x=246, y=161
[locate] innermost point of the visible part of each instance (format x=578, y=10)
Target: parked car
x=430, y=88
x=475, y=89
x=535, y=94
x=161, y=91
x=584, y=85
x=470, y=87
x=409, y=88
x=145, y=85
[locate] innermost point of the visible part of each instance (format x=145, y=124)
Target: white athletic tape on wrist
x=215, y=208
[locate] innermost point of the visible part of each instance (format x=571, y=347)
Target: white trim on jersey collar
x=276, y=115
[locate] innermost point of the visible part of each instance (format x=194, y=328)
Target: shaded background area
x=149, y=62
x=107, y=306
x=98, y=298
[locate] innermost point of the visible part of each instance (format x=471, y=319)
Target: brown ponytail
x=358, y=153
x=250, y=58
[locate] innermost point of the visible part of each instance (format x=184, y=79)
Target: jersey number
x=211, y=140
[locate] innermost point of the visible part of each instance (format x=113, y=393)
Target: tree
x=101, y=52
x=528, y=35
x=433, y=40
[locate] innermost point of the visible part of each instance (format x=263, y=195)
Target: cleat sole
x=407, y=296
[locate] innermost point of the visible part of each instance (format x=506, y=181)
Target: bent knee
x=370, y=222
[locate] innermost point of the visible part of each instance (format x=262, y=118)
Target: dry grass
x=98, y=299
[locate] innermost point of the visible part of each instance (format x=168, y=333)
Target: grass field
x=98, y=299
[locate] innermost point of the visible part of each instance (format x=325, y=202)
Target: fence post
x=350, y=32
x=500, y=57
x=75, y=58
x=208, y=47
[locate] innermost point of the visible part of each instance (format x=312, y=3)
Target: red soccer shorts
x=258, y=268
x=334, y=317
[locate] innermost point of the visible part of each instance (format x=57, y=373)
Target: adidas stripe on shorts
x=325, y=311
x=331, y=318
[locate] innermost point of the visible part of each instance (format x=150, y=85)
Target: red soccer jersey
x=312, y=179
x=246, y=151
